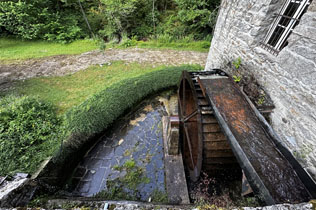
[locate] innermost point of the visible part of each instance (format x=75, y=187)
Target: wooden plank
x=209, y=119
x=218, y=153
x=202, y=102
x=211, y=128
x=219, y=160
x=255, y=149
x=217, y=167
x=214, y=137
x=200, y=95
x=217, y=145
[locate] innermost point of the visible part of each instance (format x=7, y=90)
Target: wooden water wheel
x=204, y=146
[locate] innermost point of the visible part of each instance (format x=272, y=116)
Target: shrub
x=41, y=19
x=132, y=17
x=27, y=128
x=171, y=25
x=198, y=16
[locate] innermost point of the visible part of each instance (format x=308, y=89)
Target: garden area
x=69, y=69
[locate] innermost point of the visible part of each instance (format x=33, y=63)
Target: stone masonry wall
x=289, y=78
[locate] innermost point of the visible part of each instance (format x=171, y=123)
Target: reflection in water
x=137, y=141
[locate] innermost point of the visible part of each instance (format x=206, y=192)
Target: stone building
x=276, y=41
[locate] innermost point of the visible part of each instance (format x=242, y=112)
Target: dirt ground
x=68, y=64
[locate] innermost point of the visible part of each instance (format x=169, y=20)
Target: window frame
x=293, y=20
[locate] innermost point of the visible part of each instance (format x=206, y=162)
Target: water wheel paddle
x=204, y=146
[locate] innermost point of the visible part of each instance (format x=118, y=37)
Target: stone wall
x=289, y=78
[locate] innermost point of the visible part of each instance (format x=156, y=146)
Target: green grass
x=163, y=42
x=12, y=50
x=71, y=90
x=15, y=50
x=200, y=46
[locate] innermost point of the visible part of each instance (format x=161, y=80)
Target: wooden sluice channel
x=223, y=133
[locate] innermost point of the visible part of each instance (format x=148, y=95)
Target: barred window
x=283, y=25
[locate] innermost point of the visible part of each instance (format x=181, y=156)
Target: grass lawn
x=70, y=90
x=13, y=49
x=182, y=44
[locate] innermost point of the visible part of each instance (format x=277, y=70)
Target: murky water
x=133, y=148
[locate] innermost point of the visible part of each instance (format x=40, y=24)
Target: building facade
x=276, y=41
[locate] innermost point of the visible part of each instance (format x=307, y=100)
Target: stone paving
x=138, y=140
x=130, y=205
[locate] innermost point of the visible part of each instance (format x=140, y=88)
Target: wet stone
x=119, y=150
x=74, y=183
x=94, y=163
x=105, y=152
x=114, y=162
x=106, y=163
x=83, y=187
x=151, y=175
x=114, y=175
x=158, y=163
x=94, y=151
x=108, y=142
x=160, y=177
x=89, y=175
x=80, y=172
x=137, y=139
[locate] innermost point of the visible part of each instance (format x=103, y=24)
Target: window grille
x=283, y=25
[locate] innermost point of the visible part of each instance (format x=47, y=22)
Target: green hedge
x=29, y=132
x=102, y=109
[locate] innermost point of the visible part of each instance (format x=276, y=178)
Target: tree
x=41, y=19
x=197, y=15
x=131, y=17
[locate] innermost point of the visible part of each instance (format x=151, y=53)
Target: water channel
x=127, y=162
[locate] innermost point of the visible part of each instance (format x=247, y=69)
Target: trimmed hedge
x=99, y=111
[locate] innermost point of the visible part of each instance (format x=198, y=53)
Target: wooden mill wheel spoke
x=188, y=117
x=190, y=126
x=189, y=143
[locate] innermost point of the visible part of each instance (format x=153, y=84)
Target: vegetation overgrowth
x=31, y=130
x=68, y=20
x=125, y=187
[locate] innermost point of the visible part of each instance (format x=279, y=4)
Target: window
x=289, y=16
